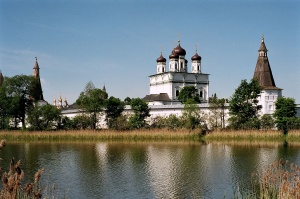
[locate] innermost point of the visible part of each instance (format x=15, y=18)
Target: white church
x=166, y=84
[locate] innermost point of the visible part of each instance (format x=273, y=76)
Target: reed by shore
x=152, y=135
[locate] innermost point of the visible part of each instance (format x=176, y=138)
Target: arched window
x=177, y=93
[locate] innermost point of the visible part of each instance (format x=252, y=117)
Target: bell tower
x=263, y=74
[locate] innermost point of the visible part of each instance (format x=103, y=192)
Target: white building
x=165, y=85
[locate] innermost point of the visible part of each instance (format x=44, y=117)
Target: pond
x=146, y=170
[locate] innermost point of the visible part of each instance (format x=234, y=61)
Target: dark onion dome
x=196, y=57
x=180, y=51
x=161, y=59
x=174, y=55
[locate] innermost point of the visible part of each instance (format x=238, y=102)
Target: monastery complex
x=176, y=73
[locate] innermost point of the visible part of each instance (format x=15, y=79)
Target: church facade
x=170, y=78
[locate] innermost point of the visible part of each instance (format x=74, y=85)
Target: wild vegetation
x=12, y=181
x=279, y=180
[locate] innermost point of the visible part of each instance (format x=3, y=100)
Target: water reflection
x=146, y=170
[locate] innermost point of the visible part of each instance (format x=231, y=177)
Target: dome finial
x=263, y=38
x=196, y=47
x=179, y=38
x=35, y=58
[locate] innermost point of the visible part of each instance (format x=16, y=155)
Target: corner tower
x=263, y=74
x=37, y=92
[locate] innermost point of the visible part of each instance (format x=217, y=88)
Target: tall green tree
x=127, y=100
x=192, y=117
x=45, y=117
x=114, y=109
x=243, y=104
x=217, y=109
x=141, y=111
x=189, y=93
x=16, y=91
x=285, y=113
x=93, y=100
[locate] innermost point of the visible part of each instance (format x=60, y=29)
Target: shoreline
x=159, y=135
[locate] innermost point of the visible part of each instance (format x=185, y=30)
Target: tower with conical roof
x=37, y=93
x=263, y=74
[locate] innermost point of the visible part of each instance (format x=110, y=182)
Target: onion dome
x=196, y=57
x=180, y=51
x=161, y=59
x=174, y=55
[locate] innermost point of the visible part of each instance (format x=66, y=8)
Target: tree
x=16, y=92
x=45, y=117
x=127, y=100
x=191, y=116
x=189, y=93
x=114, y=109
x=285, y=113
x=141, y=111
x=267, y=122
x=243, y=104
x=217, y=108
x=93, y=100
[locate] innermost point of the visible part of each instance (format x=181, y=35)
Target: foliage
x=191, y=117
x=127, y=100
x=243, y=104
x=93, y=100
x=44, y=117
x=82, y=121
x=171, y=122
x=36, y=92
x=15, y=98
x=141, y=111
x=114, y=109
x=217, y=110
x=189, y=93
x=267, y=122
x=285, y=113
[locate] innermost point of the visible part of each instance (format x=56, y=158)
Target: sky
x=116, y=42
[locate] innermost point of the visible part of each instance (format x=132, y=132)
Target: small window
x=177, y=93
x=266, y=97
x=270, y=107
x=201, y=94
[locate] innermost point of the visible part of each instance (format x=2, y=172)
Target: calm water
x=145, y=170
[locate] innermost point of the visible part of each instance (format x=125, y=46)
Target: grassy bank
x=152, y=135
x=254, y=135
x=102, y=135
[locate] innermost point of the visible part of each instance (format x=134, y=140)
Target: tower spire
x=263, y=72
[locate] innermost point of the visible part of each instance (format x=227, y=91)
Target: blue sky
x=116, y=43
